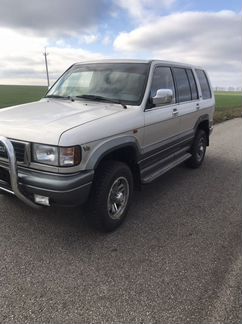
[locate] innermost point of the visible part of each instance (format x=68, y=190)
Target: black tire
x=198, y=150
x=111, y=175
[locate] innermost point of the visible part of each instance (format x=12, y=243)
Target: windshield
x=120, y=82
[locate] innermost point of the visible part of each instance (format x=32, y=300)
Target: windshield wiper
x=100, y=98
x=60, y=97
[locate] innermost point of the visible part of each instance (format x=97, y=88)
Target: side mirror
x=163, y=96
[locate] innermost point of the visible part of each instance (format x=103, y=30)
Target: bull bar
x=13, y=172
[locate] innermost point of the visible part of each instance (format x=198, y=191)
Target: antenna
x=46, y=66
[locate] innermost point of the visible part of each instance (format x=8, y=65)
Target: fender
x=111, y=146
x=201, y=119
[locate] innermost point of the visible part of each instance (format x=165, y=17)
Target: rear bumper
x=61, y=189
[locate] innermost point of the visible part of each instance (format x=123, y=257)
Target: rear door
x=188, y=99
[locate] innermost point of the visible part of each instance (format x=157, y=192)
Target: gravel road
x=176, y=260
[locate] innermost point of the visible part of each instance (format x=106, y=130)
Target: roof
x=115, y=61
x=139, y=61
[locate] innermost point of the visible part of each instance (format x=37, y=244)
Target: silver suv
x=103, y=129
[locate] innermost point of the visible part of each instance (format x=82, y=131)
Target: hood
x=44, y=121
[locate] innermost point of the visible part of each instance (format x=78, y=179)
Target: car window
x=77, y=82
x=182, y=85
x=162, y=79
x=124, y=82
x=193, y=84
x=203, y=80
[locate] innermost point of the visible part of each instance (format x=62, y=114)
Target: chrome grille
x=4, y=176
x=19, y=149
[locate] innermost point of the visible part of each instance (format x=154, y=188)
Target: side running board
x=157, y=173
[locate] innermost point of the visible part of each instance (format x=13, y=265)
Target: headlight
x=57, y=156
x=45, y=154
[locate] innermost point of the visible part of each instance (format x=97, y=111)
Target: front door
x=161, y=122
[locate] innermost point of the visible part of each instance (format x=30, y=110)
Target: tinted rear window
x=182, y=85
x=203, y=80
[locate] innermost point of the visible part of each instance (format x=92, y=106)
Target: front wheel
x=198, y=150
x=111, y=195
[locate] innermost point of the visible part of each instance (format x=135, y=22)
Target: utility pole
x=46, y=66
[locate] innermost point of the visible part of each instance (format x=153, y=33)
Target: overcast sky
x=203, y=32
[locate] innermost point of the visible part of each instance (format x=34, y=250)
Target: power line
x=46, y=67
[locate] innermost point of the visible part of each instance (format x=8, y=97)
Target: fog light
x=41, y=200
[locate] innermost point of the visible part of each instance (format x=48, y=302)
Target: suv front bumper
x=61, y=189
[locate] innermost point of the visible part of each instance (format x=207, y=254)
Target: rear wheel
x=198, y=150
x=111, y=196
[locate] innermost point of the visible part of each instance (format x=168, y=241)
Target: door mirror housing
x=163, y=96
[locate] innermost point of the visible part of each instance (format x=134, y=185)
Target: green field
x=228, y=104
x=228, y=99
x=16, y=95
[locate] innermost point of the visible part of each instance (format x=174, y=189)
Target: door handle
x=175, y=112
x=197, y=106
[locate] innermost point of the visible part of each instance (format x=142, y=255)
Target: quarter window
x=162, y=79
x=182, y=85
x=203, y=80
